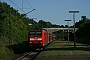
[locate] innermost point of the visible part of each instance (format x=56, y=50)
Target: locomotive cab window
x=32, y=33
x=35, y=33
x=38, y=33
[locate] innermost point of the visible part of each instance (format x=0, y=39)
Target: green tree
x=84, y=30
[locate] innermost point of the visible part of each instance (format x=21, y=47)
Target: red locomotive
x=39, y=38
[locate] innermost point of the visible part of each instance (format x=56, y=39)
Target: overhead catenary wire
x=22, y=4
x=22, y=7
x=32, y=8
x=28, y=3
x=16, y=5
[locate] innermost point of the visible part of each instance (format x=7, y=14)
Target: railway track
x=30, y=55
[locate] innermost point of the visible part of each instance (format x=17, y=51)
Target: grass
x=5, y=53
x=60, y=48
x=11, y=52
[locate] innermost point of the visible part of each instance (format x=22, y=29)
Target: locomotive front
x=35, y=38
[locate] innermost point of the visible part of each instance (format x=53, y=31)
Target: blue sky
x=54, y=11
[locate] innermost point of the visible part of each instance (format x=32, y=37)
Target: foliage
x=60, y=34
x=43, y=24
x=14, y=28
x=84, y=30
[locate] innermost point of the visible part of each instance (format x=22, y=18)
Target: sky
x=54, y=11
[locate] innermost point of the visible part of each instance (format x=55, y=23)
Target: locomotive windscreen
x=35, y=33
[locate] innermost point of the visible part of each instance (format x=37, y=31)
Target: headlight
x=31, y=38
x=39, y=38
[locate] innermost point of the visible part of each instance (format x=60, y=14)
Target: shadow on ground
x=20, y=48
x=78, y=47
